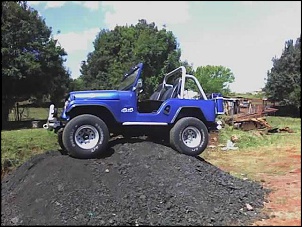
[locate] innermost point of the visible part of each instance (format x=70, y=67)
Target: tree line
x=283, y=82
x=33, y=64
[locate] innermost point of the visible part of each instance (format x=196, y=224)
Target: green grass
x=38, y=113
x=33, y=113
x=258, y=154
x=253, y=138
x=248, y=95
x=18, y=146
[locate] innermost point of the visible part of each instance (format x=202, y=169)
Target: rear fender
x=189, y=112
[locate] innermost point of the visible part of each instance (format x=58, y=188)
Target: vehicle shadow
x=119, y=140
x=122, y=140
x=132, y=140
x=115, y=141
x=203, y=160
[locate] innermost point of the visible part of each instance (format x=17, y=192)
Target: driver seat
x=158, y=92
x=161, y=92
x=172, y=92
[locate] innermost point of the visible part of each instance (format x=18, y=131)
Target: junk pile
x=252, y=120
x=251, y=117
x=247, y=123
x=231, y=144
x=255, y=120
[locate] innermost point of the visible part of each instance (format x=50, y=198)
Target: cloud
x=247, y=50
x=92, y=5
x=48, y=4
x=243, y=36
x=74, y=63
x=161, y=13
x=77, y=45
x=248, y=3
x=77, y=41
x=54, y=4
x=34, y=3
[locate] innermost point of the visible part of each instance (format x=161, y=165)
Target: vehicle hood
x=95, y=94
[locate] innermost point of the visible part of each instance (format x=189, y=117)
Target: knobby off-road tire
x=63, y=150
x=189, y=136
x=85, y=136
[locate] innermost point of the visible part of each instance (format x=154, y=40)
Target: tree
x=77, y=85
x=32, y=63
x=283, y=82
x=189, y=67
x=115, y=51
x=215, y=79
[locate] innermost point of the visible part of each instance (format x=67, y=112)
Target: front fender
x=113, y=108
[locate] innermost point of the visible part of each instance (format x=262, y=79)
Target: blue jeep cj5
x=174, y=111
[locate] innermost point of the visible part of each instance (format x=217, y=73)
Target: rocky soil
x=137, y=182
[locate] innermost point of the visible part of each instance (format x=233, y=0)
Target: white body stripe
x=145, y=123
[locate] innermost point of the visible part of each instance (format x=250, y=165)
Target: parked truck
x=90, y=118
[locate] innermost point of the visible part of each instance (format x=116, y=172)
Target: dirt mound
x=137, y=183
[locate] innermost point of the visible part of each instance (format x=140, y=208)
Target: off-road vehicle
x=174, y=110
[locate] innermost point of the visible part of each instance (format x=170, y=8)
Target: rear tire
x=85, y=136
x=189, y=136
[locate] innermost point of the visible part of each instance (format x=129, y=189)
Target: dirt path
x=284, y=206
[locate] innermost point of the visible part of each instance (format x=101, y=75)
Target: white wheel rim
x=86, y=137
x=191, y=137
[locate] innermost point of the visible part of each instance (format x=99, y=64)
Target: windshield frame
x=130, y=79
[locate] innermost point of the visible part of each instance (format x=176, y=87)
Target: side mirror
x=139, y=83
x=138, y=86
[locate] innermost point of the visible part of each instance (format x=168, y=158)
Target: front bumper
x=52, y=121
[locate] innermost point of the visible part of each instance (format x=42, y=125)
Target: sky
x=243, y=36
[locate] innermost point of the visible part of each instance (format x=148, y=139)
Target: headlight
x=66, y=102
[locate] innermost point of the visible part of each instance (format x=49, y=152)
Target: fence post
x=18, y=117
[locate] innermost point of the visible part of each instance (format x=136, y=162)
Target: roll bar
x=184, y=76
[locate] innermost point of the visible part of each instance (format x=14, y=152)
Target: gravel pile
x=136, y=183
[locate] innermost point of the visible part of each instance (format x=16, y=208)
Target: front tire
x=63, y=150
x=85, y=136
x=189, y=136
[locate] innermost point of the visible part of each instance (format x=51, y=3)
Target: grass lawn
x=33, y=113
